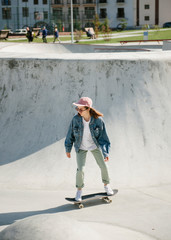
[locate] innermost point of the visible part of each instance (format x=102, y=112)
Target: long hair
x=94, y=113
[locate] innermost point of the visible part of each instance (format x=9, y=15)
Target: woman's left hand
x=106, y=159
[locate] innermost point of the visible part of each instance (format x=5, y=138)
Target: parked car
x=167, y=25
x=20, y=31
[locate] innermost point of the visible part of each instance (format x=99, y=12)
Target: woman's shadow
x=9, y=218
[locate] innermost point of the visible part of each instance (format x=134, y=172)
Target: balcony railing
x=89, y=14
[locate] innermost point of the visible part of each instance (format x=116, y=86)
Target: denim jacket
x=98, y=133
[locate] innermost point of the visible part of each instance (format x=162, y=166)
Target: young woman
x=87, y=132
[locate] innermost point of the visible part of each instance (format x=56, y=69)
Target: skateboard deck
x=93, y=196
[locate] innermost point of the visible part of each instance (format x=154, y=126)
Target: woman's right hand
x=68, y=154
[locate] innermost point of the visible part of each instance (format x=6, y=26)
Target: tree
x=122, y=25
x=106, y=30
x=96, y=25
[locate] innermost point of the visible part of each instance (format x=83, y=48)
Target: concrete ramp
x=36, y=95
x=50, y=48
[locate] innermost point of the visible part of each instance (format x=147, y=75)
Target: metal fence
x=81, y=19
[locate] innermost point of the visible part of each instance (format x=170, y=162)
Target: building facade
x=153, y=12
x=164, y=12
x=116, y=11
x=16, y=14
x=84, y=12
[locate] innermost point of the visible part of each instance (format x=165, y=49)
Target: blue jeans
x=81, y=159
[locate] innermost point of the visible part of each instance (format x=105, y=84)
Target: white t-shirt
x=87, y=141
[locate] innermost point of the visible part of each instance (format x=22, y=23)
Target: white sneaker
x=108, y=190
x=78, y=196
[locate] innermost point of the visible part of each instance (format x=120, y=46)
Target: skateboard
x=93, y=196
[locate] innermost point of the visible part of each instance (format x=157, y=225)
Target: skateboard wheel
x=81, y=206
x=107, y=200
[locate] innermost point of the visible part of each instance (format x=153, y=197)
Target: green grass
x=151, y=36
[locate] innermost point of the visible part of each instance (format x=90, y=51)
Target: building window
x=25, y=12
x=44, y=1
x=38, y=16
x=103, y=13
x=25, y=0
x=102, y=1
x=146, y=6
x=36, y=2
x=6, y=13
x=121, y=13
x=90, y=12
x=75, y=12
x=146, y=18
x=6, y=2
x=45, y=15
x=57, y=1
x=88, y=1
x=57, y=13
x=120, y=1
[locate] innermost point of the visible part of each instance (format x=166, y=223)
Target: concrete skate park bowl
x=37, y=88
